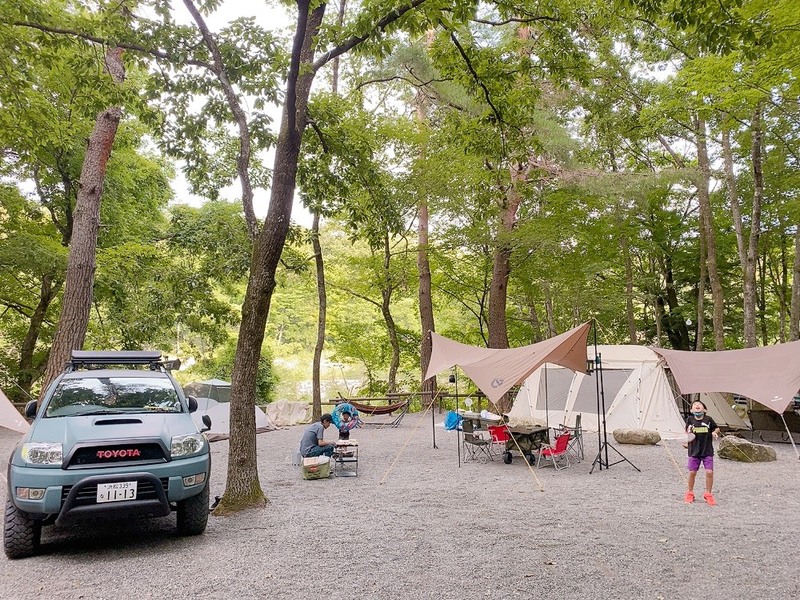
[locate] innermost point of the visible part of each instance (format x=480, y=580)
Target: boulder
x=735, y=448
x=642, y=437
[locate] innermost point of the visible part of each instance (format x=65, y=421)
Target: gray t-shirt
x=311, y=437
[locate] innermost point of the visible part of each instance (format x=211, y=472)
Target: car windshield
x=112, y=395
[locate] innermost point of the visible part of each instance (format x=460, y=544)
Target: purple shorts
x=694, y=463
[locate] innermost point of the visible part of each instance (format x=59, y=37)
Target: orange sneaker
x=709, y=498
x=689, y=497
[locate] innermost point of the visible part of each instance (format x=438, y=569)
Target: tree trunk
x=629, y=314
x=426, y=317
x=79, y=281
x=28, y=371
x=391, y=328
x=501, y=263
x=700, y=325
x=751, y=257
x=322, y=298
x=794, y=311
x=707, y=222
x=242, y=487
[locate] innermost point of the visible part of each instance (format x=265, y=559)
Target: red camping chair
x=556, y=453
x=500, y=435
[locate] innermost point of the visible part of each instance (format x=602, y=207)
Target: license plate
x=116, y=492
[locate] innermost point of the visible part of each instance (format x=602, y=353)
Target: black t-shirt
x=701, y=445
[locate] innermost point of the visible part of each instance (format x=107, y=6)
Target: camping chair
x=556, y=453
x=476, y=447
x=575, y=447
x=500, y=435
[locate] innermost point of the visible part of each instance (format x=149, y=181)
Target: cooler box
x=316, y=467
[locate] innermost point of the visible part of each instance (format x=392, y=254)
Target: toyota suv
x=112, y=436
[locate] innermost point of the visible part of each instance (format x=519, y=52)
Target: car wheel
x=21, y=533
x=193, y=514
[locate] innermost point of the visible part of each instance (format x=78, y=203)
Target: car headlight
x=42, y=453
x=184, y=445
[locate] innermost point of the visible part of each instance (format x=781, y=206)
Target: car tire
x=193, y=513
x=21, y=532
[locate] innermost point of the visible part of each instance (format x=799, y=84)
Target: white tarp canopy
x=770, y=375
x=635, y=387
x=495, y=371
x=10, y=417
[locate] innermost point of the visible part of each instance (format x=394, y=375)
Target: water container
x=297, y=460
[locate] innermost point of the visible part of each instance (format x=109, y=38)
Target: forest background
x=496, y=171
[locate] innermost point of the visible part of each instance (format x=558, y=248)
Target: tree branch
x=477, y=78
x=355, y=40
x=104, y=42
x=243, y=160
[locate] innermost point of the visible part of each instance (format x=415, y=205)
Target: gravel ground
x=414, y=524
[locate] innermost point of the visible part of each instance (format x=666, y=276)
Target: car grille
x=114, y=455
x=146, y=490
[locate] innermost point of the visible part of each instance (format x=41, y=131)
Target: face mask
x=698, y=414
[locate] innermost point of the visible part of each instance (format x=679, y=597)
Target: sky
x=268, y=15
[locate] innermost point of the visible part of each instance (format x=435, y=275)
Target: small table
x=345, y=457
x=526, y=440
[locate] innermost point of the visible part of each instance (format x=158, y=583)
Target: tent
x=496, y=370
x=10, y=417
x=220, y=413
x=214, y=399
x=216, y=389
x=718, y=409
x=635, y=387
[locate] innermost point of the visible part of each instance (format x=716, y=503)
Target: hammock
x=379, y=410
x=385, y=409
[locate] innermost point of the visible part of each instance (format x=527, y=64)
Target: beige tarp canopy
x=769, y=375
x=495, y=371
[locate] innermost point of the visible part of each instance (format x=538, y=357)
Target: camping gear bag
x=316, y=467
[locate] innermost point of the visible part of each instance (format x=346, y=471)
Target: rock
x=642, y=437
x=735, y=448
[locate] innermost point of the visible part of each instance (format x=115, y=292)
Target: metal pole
x=458, y=429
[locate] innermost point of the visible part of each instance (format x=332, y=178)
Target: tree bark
x=426, y=317
x=79, y=281
x=28, y=371
x=629, y=314
x=751, y=257
x=794, y=311
x=386, y=306
x=242, y=486
x=322, y=300
x=707, y=222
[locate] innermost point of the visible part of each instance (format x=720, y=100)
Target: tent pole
x=789, y=433
x=454, y=379
x=546, y=401
x=434, y=397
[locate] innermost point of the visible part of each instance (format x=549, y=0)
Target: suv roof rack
x=94, y=358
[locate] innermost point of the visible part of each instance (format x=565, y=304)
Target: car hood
x=72, y=430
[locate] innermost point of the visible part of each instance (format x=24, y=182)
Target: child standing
x=701, y=450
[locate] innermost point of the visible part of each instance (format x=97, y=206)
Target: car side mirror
x=207, y=422
x=30, y=409
x=192, y=403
